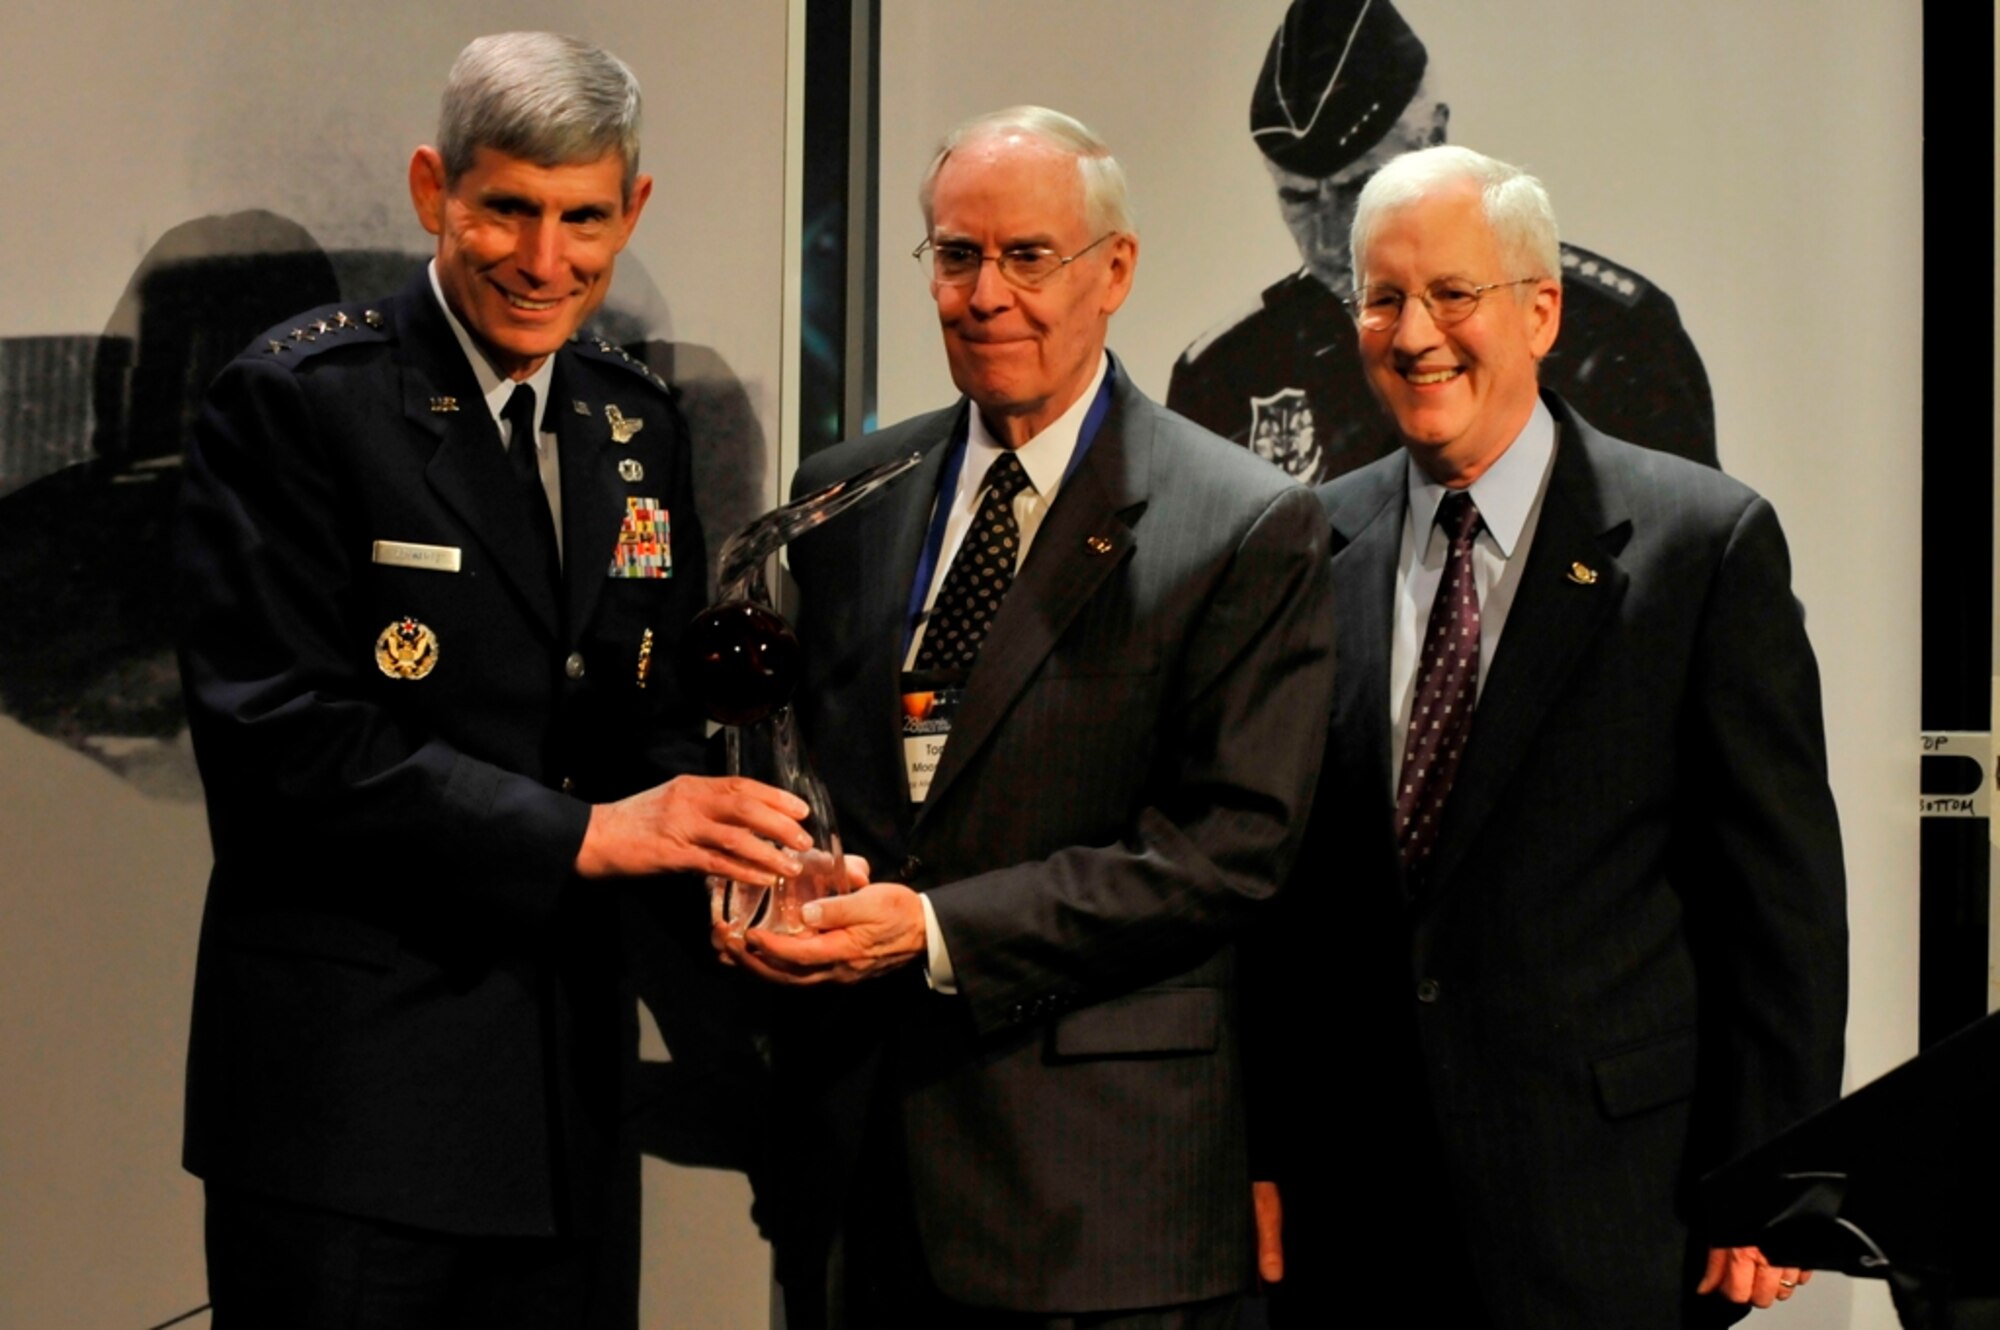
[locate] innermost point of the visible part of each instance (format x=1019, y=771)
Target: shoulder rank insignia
x=406, y=649
x=321, y=331
x=628, y=360
x=623, y=427
x=1594, y=270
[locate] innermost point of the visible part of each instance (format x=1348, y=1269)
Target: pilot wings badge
x=623, y=427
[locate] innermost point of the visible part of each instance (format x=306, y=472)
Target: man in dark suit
x=1032, y=1105
x=433, y=557
x=1591, y=937
x=1343, y=89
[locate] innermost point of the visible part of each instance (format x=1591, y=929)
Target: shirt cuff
x=937, y=958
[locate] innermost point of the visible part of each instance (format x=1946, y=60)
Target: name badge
x=405, y=554
x=929, y=708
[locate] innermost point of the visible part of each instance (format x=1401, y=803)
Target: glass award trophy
x=741, y=660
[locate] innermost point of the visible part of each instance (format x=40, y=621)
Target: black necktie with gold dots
x=979, y=575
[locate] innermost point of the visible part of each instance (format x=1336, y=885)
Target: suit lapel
x=1084, y=538
x=1364, y=580
x=469, y=470
x=593, y=505
x=1554, y=618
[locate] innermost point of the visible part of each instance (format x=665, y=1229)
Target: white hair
x=1105, y=206
x=1516, y=205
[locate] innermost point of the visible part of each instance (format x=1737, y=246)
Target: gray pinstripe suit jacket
x=1125, y=785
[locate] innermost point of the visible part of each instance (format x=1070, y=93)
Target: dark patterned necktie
x=979, y=575
x=1447, y=688
x=523, y=456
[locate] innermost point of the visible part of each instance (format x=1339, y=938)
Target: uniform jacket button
x=573, y=667
x=1427, y=990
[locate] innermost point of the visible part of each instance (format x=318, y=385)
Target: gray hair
x=1516, y=205
x=1105, y=207
x=542, y=97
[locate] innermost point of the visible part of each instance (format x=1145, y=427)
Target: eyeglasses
x=1449, y=300
x=1025, y=266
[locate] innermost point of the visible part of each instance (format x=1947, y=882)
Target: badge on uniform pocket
x=406, y=649
x=645, y=540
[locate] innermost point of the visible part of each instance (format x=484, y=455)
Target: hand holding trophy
x=742, y=660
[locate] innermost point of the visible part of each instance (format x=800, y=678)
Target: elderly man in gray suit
x=1067, y=680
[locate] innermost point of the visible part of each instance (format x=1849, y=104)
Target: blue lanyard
x=954, y=462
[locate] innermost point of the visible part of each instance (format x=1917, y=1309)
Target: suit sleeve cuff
x=937, y=957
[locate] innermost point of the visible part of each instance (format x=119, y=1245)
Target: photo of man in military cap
x=1343, y=90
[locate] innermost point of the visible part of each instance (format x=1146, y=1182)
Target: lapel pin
x=444, y=406
x=1097, y=544
x=629, y=469
x=622, y=426
x=645, y=657
x=577, y=405
x=1582, y=574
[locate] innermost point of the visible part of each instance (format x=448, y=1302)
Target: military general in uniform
x=1343, y=89
x=433, y=557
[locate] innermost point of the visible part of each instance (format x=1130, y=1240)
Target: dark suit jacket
x=404, y=1008
x=1124, y=786
x=1627, y=960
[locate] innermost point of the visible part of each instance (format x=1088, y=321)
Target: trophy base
x=776, y=908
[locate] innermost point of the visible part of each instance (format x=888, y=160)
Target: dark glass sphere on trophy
x=742, y=661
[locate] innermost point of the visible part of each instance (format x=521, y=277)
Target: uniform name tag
x=404, y=554
x=928, y=712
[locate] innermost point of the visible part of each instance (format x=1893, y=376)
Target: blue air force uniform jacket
x=406, y=1006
